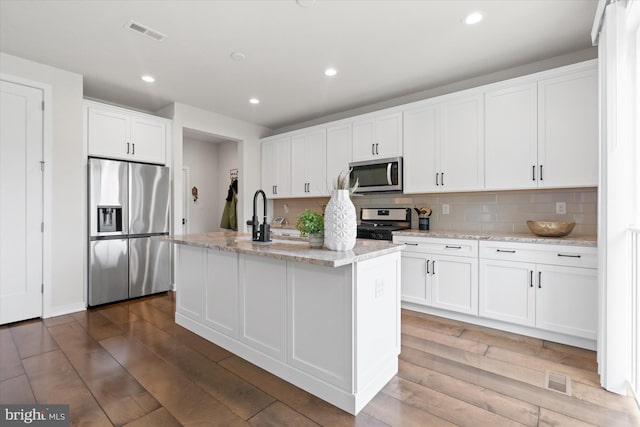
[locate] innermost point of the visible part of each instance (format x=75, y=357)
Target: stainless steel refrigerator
x=128, y=204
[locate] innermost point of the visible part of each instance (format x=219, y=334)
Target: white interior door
x=21, y=195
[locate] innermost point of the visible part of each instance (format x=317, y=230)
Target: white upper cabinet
x=377, y=137
x=421, y=134
x=308, y=164
x=121, y=134
x=511, y=137
x=543, y=133
x=568, y=129
x=338, y=152
x=444, y=145
x=276, y=167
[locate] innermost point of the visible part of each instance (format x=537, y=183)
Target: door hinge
x=42, y=165
x=42, y=105
x=42, y=227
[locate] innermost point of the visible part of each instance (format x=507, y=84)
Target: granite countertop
x=286, y=248
x=573, y=240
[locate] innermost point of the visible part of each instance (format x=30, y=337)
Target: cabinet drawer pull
x=506, y=251
x=411, y=244
x=539, y=279
x=442, y=178
x=127, y=148
x=541, y=179
x=533, y=173
x=133, y=148
x=373, y=152
x=428, y=267
x=452, y=247
x=377, y=148
x=433, y=267
x=531, y=278
x=437, y=177
x=570, y=256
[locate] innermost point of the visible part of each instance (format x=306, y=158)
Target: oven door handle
x=389, y=173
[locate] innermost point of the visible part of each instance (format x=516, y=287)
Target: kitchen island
x=326, y=321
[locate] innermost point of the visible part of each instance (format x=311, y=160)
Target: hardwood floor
x=130, y=364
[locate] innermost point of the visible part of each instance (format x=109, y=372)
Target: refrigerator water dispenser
x=109, y=218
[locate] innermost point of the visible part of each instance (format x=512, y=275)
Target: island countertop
x=291, y=249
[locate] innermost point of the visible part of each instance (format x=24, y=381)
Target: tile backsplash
x=497, y=211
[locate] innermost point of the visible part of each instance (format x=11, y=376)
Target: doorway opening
x=210, y=160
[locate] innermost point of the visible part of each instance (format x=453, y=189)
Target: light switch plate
x=445, y=209
x=561, y=208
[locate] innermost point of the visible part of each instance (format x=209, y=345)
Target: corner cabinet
x=444, y=145
x=542, y=131
x=116, y=133
x=377, y=137
x=441, y=273
x=276, y=167
x=549, y=287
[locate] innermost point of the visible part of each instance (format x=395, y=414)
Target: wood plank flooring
x=129, y=364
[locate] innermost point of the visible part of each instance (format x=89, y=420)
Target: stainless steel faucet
x=260, y=232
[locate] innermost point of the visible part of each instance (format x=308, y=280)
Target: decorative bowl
x=550, y=228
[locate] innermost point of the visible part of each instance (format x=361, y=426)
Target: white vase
x=340, y=222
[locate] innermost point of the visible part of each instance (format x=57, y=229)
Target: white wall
x=247, y=136
x=65, y=157
x=209, y=164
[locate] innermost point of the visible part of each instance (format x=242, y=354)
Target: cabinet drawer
x=571, y=256
x=457, y=247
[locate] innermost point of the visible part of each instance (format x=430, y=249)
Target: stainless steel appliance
x=380, y=223
x=128, y=203
x=377, y=175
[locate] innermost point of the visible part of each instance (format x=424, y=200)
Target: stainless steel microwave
x=377, y=175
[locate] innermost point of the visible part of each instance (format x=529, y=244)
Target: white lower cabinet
x=441, y=273
x=549, y=287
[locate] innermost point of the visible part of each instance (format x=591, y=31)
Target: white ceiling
x=381, y=48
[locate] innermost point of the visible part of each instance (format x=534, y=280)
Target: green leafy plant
x=343, y=182
x=310, y=223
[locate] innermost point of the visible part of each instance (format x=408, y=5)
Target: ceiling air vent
x=137, y=27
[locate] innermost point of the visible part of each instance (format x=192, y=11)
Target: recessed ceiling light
x=254, y=101
x=238, y=56
x=330, y=72
x=473, y=18
x=148, y=79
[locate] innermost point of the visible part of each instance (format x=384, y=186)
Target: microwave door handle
x=389, y=173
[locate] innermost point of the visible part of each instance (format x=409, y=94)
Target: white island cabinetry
x=333, y=330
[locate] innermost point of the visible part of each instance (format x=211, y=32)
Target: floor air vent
x=139, y=28
x=557, y=382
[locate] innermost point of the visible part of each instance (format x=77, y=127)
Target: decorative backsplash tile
x=498, y=211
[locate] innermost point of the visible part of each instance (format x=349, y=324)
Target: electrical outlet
x=379, y=288
x=445, y=209
x=561, y=208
